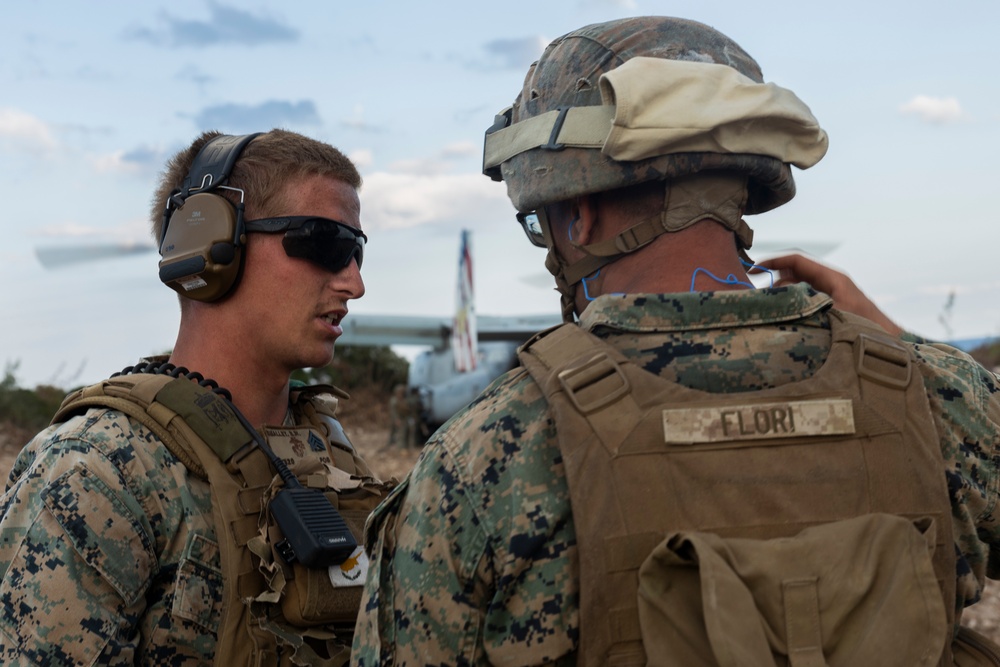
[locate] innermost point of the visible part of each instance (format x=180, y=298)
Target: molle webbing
x=633, y=481
x=201, y=430
x=173, y=409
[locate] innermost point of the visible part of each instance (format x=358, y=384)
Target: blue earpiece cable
x=731, y=279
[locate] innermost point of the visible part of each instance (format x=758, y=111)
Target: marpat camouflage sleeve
x=473, y=556
x=105, y=553
x=965, y=400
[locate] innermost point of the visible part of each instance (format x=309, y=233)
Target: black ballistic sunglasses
x=534, y=223
x=322, y=241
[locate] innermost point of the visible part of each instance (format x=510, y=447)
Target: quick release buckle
x=893, y=363
x=594, y=384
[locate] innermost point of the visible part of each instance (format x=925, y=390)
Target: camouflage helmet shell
x=567, y=74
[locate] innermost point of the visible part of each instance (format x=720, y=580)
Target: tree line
x=374, y=369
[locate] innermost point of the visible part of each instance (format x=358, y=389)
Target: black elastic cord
x=176, y=372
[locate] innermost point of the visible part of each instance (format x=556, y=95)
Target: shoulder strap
x=884, y=365
x=592, y=375
x=177, y=411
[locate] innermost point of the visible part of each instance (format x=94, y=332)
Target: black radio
x=315, y=532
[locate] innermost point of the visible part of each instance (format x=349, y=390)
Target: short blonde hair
x=265, y=167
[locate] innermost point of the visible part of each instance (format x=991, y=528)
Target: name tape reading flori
x=758, y=421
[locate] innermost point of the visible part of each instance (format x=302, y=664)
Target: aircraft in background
x=59, y=256
x=466, y=352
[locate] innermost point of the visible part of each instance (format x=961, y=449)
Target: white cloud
x=516, y=53
x=115, y=163
x=362, y=158
x=401, y=200
x=933, y=109
x=437, y=164
x=67, y=229
x=24, y=129
x=139, y=160
x=416, y=166
x=460, y=149
x=358, y=122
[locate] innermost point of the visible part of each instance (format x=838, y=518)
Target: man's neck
x=261, y=400
x=674, y=261
x=259, y=391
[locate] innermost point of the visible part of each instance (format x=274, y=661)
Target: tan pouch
x=319, y=596
x=855, y=593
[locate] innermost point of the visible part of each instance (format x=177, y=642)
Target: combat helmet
x=649, y=98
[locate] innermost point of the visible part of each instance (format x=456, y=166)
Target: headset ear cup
x=200, y=258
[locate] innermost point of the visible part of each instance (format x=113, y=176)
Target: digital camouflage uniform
x=474, y=558
x=109, y=551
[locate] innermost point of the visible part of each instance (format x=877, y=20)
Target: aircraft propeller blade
x=59, y=256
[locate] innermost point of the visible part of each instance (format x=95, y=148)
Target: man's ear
x=585, y=212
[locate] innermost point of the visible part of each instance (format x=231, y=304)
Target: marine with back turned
x=578, y=509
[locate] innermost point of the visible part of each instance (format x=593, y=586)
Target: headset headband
x=212, y=166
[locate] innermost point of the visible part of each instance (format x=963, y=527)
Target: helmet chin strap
x=567, y=291
x=718, y=196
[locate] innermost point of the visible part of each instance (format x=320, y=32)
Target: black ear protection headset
x=201, y=242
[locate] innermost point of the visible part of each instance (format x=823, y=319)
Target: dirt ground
x=365, y=417
x=366, y=422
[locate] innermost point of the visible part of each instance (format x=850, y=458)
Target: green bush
x=26, y=408
x=358, y=367
x=353, y=368
x=988, y=355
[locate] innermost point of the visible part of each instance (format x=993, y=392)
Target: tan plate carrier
x=804, y=525
x=272, y=614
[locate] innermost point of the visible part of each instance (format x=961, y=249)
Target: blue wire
x=586, y=292
x=769, y=272
x=731, y=279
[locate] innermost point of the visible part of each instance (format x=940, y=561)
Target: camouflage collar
x=705, y=310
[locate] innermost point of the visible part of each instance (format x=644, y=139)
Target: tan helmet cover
x=589, y=119
x=674, y=106
x=654, y=107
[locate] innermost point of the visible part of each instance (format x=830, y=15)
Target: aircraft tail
x=464, y=337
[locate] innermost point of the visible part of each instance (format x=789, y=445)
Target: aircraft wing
x=58, y=256
x=395, y=330
x=514, y=327
x=362, y=329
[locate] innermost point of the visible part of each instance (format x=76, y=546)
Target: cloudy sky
x=95, y=96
